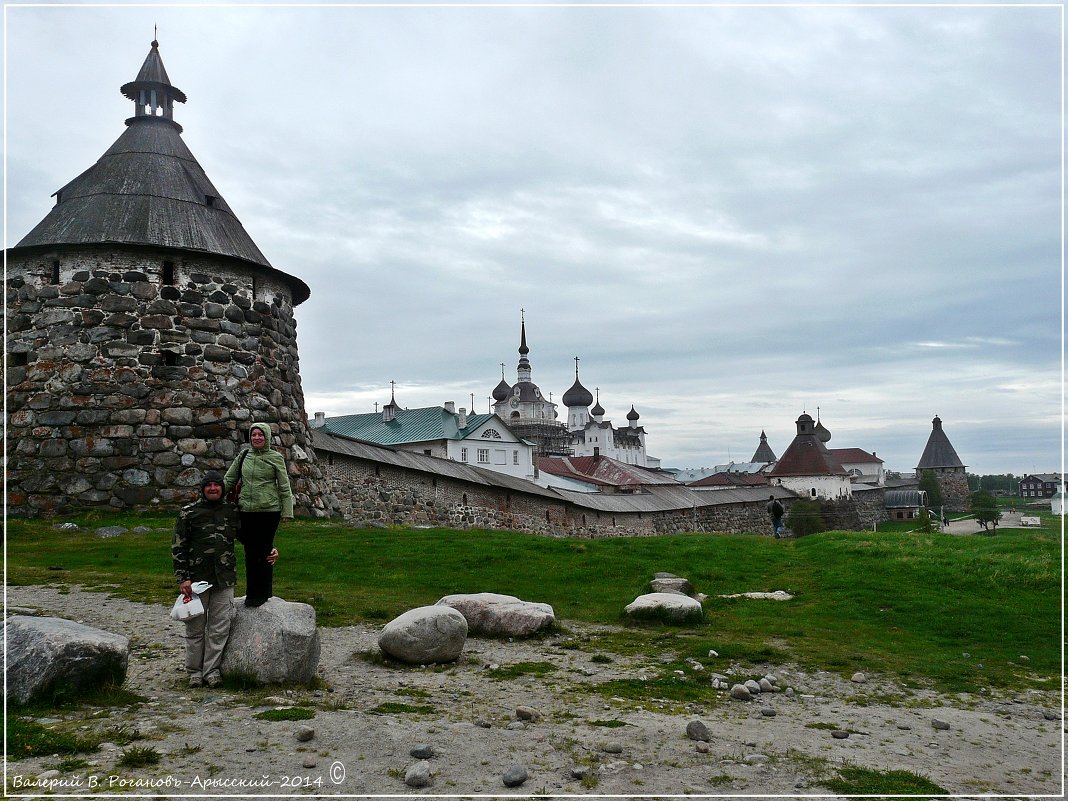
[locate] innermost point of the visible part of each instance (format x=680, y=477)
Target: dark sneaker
x=213, y=679
x=195, y=681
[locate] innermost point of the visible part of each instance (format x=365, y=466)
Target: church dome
x=632, y=415
x=597, y=411
x=502, y=391
x=822, y=434
x=578, y=395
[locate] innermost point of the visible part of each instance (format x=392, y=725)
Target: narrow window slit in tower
x=55, y=272
x=168, y=272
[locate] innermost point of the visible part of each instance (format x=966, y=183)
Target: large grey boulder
x=425, y=635
x=500, y=615
x=666, y=606
x=47, y=653
x=276, y=643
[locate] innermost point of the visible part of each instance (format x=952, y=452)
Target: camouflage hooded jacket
x=203, y=545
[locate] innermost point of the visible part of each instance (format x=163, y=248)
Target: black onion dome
x=577, y=395
x=502, y=391
x=822, y=434
x=596, y=411
x=632, y=415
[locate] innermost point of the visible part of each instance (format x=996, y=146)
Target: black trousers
x=257, y=535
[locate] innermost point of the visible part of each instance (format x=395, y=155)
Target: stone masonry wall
x=955, y=493
x=123, y=388
x=373, y=493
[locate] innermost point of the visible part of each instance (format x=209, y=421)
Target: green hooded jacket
x=264, y=480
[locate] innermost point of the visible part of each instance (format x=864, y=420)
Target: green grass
x=28, y=738
x=521, y=669
x=863, y=601
x=139, y=757
x=874, y=782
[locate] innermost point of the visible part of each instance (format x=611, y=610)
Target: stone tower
x=146, y=331
x=940, y=457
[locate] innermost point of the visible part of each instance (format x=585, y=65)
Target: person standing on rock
x=203, y=550
x=776, y=511
x=264, y=498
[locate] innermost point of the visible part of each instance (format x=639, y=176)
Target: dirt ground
x=211, y=744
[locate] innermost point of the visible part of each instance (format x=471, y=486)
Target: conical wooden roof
x=149, y=189
x=939, y=452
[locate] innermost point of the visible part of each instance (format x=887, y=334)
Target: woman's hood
x=266, y=429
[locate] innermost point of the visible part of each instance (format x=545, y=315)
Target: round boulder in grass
x=425, y=635
x=498, y=615
x=669, y=606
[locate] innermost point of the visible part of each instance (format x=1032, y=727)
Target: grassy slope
x=903, y=603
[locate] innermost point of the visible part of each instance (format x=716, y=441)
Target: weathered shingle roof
x=602, y=470
x=853, y=455
x=939, y=452
x=149, y=189
x=763, y=453
x=807, y=456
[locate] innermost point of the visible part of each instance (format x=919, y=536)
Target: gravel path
x=211, y=744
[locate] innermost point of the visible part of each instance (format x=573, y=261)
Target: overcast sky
x=732, y=215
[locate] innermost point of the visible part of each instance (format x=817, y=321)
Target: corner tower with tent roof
x=940, y=458
x=808, y=468
x=146, y=331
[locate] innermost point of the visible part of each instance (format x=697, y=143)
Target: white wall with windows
x=494, y=447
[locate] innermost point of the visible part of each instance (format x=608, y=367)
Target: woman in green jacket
x=264, y=500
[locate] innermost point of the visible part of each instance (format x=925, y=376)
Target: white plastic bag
x=183, y=610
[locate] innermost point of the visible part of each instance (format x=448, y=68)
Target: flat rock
x=839, y=735
x=425, y=635
x=277, y=643
x=858, y=678
x=305, y=733
x=940, y=724
x=671, y=605
x=495, y=615
x=44, y=653
x=672, y=584
x=422, y=751
x=527, y=713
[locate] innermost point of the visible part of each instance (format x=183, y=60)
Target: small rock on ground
x=697, y=730
x=514, y=776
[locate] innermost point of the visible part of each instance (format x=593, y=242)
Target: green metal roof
x=409, y=425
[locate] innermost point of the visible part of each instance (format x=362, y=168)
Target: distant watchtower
x=941, y=458
x=146, y=331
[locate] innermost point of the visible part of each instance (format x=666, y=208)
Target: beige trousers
x=205, y=635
